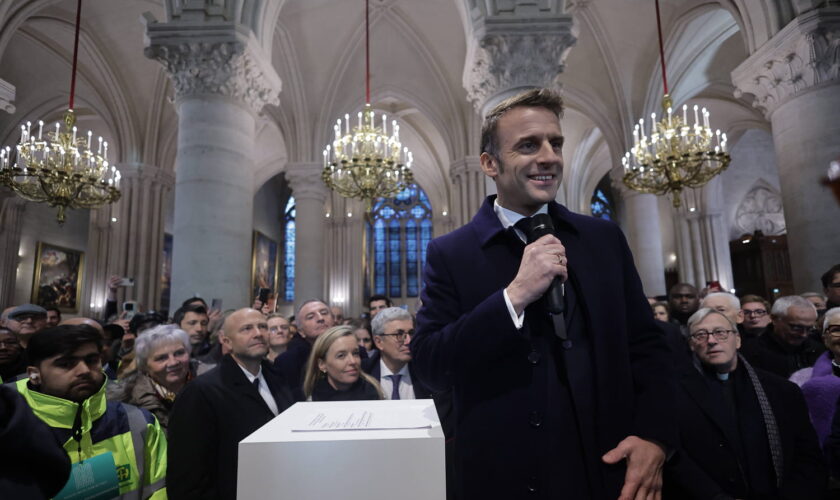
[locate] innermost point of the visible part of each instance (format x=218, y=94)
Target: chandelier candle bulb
x=669, y=117
x=346, y=123
x=384, y=124
x=40, y=128
x=696, y=120
x=705, y=119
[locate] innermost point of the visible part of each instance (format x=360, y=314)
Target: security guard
x=115, y=448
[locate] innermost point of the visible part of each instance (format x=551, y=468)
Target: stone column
x=12, y=208
x=468, y=181
x=501, y=58
x=702, y=237
x=795, y=81
x=222, y=80
x=310, y=193
x=645, y=239
x=11, y=212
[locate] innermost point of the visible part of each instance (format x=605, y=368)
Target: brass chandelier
x=673, y=154
x=61, y=168
x=367, y=162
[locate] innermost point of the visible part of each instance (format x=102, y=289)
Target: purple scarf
x=821, y=393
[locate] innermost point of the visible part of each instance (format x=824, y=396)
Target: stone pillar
x=468, y=187
x=645, y=239
x=702, y=237
x=222, y=80
x=795, y=81
x=501, y=54
x=12, y=208
x=310, y=193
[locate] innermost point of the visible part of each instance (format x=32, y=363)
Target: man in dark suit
x=313, y=318
x=745, y=433
x=391, y=365
x=220, y=408
x=572, y=406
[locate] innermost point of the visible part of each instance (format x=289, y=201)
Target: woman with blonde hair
x=334, y=370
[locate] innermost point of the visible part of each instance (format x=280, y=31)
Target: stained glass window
x=289, y=251
x=601, y=204
x=402, y=228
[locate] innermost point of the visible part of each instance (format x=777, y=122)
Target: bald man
x=220, y=408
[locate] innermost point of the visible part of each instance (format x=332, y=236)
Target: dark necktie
x=256, y=383
x=524, y=225
x=395, y=390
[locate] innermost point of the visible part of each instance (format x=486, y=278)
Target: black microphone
x=540, y=226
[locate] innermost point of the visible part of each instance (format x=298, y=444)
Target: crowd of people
x=93, y=382
x=170, y=398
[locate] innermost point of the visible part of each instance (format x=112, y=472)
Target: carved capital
x=804, y=54
x=305, y=181
x=7, y=97
x=511, y=52
x=214, y=59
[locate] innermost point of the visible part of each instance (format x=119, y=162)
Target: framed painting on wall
x=58, y=277
x=264, y=265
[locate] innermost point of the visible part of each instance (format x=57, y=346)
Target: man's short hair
x=54, y=308
x=153, y=338
x=183, y=310
x=61, y=340
x=374, y=298
x=828, y=276
x=746, y=299
x=734, y=303
x=832, y=313
x=191, y=300
x=782, y=304
x=534, y=98
x=703, y=313
x=297, y=312
x=148, y=319
x=808, y=295
x=683, y=285
x=386, y=316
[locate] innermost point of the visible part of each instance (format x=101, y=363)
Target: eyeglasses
x=400, y=335
x=800, y=328
x=719, y=334
x=834, y=285
x=275, y=329
x=755, y=313
x=833, y=330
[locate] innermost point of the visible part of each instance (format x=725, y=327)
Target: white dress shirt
x=508, y=218
x=264, y=390
x=406, y=388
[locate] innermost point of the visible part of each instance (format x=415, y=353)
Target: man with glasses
x=788, y=346
x=831, y=286
x=756, y=312
x=25, y=321
x=393, y=329
x=735, y=441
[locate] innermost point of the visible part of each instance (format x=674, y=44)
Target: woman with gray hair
x=163, y=369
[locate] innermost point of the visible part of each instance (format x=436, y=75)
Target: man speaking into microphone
x=534, y=317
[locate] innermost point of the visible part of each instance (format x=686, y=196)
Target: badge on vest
x=92, y=479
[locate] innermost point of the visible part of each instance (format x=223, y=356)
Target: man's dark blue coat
x=534, y=415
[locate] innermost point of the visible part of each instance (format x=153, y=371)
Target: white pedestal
x=409, y=464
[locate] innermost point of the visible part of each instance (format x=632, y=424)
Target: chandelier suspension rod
x=367, y=51
x=661, y=48
x=75, y=54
